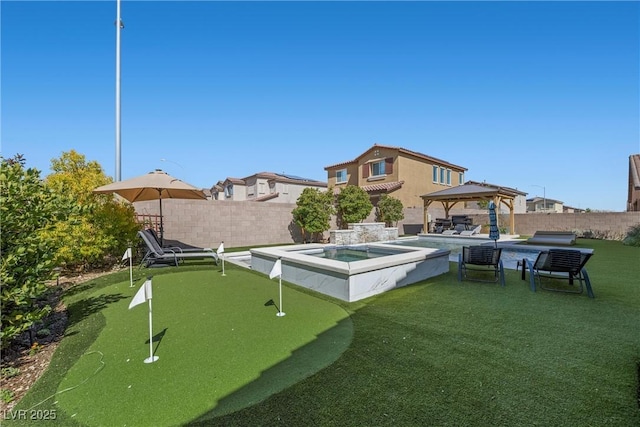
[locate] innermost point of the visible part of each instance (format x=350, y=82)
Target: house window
x=442, y=171
x=448, y=176
x=435, y=174
x=377, y=168
x=341, y=176
x=228, y=191
x=251, y=191
x=285, y=188
x=262, y=188
x=272, y=187
x=460, y=178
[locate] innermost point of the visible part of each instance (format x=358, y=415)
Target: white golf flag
x=276, y=271
x=143, y=294
x=220, y=248
x=127, y=254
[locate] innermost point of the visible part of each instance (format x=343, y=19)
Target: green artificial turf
x=220, y=348
x=440, y=352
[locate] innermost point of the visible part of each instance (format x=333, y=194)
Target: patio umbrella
x=156, y=185
x=494, y=233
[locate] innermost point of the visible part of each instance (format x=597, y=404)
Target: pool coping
x=299, y=255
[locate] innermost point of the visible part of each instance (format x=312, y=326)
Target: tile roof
x=387, y=186
x=266, y=197
x=401, y=150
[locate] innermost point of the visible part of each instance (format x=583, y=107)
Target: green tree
x=389, y=210
x=28, y=209
x=353, y=205
x=483, y=204
x=101, y=228
x=313, y=211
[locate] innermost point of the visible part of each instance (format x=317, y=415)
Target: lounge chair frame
x=564, y=238
x=158, y=255
x=481, y=258
x=563, y=264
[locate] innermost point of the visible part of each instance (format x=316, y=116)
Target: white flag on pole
x=143, y=294
x=220, y=248
x=127, y=254
x=276, y=271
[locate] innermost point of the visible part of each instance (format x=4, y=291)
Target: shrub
x=6, y=395
x=43, y=333
x=313, y=211
x=389, y=210
x=10, y=372
x=353, y=205
x=27, y=210
x=96, y=232
x=633, y=236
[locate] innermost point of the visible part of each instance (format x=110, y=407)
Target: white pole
x=223, y=264
x=130, y=268
x=280, y=312
x=118, y=28
x=151, y=357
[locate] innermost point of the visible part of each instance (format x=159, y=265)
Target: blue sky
x=529, y=95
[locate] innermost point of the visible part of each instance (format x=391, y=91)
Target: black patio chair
x=480, y=259
x=560, y=264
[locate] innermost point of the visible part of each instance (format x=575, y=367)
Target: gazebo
x=471, y=192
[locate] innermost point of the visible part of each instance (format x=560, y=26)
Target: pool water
x=510, y=256
x=347, y=254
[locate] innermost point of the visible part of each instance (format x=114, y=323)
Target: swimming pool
x=355, y=272
x=511, y=252
x=351, y=253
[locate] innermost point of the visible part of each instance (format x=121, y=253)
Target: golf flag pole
x=277, y=271
x=220, y=253
x=145, y=293
x=127, y=254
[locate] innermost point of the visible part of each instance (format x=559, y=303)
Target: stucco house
x=544, y=205
x=633, y=200
x=519, y=198
x=398, y=172
x=264, y=187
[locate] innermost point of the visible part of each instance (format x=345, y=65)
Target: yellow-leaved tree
x=99, y=231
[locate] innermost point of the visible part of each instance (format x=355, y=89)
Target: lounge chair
x=471, y=232
x=152, y=234
x=449, y=232
x=158, y=255
x=565, y=238
x=563, y=264
x=480, y=259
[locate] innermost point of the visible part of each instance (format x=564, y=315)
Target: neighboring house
x=544, y=205
x=264, y=187
x=401, y=173
x=633, y=200
x=571, y=209
x=519, y=200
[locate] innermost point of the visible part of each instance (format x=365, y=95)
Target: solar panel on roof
x=299, y=178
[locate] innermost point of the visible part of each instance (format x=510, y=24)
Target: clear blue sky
x=523, y=94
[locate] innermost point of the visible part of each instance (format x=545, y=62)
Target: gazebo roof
x=468, y=192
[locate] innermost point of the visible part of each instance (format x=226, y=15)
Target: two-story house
x=264, y=187
x=398, y=172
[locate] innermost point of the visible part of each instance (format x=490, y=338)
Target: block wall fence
x=205, y=223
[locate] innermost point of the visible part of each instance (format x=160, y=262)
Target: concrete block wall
x=205, y=223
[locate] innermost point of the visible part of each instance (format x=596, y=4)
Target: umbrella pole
x=161, y=225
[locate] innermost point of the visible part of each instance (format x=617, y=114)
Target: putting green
x=220, y=348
